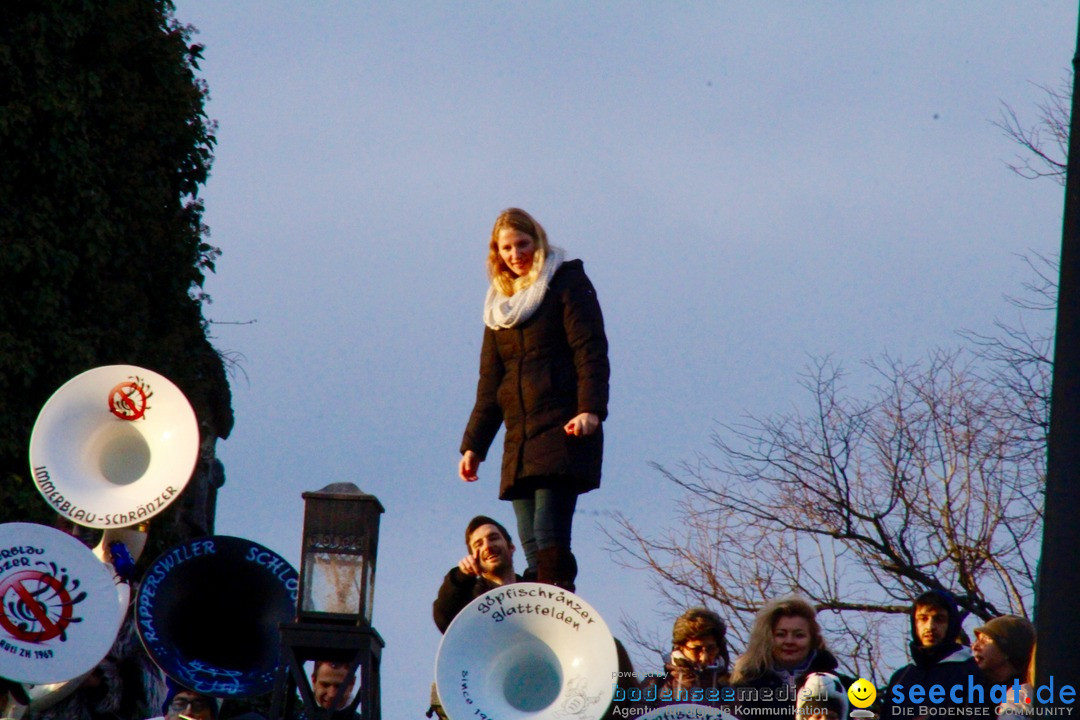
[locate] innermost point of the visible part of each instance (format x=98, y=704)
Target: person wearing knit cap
x=1003, y=647
x=1004, y=650
x=822, y=697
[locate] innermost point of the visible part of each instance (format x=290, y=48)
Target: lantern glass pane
x=370, y=599
x=332, y=583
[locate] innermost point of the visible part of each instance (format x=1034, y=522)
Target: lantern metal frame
x=339, y=520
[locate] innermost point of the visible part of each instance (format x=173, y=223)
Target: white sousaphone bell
x=527, y=651
x=109, y=450
x=114, y=446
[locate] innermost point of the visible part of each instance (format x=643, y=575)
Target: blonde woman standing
x=544, y=373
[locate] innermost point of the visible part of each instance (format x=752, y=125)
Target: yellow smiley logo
x=862, y=693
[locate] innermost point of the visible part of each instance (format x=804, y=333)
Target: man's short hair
x=937, y=599
x=480, y=520
x=698, y=622
x=334, y=665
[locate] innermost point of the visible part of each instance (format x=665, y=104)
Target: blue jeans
x=544, y=520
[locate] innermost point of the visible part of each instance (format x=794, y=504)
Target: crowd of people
x=787, y=669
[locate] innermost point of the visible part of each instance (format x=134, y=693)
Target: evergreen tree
x=104, y=143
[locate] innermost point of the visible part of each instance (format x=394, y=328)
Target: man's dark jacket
x=947, y=664
x=457, y=591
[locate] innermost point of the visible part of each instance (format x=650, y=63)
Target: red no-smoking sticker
x=59, y=607
x=127, y=400
x=36, y=606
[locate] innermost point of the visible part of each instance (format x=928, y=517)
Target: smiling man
x=489, y=564
x=939, y=658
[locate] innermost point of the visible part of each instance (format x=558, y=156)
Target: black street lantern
x=333, y=619
x=337, y=565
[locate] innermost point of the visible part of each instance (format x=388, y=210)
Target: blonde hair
x=503, y=278
x=758, y=658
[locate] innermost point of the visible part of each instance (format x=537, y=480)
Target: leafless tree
x=933, y=481
x=1017, y=353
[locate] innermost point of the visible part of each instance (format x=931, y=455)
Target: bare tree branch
x=1047, y=141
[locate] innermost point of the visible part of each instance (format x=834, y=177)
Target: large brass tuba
x=114, y=446
x=59, y=613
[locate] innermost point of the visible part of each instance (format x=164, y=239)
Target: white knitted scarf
x=502, y=311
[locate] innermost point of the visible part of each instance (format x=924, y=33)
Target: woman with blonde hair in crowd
x=544, y=373
x=785, y=646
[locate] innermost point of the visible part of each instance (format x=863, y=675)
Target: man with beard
x=940, y=658
x=489, y=564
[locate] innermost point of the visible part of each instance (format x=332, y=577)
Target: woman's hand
x=583, y=424
x=468, y=466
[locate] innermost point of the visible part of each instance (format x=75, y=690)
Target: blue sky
x=750, y=184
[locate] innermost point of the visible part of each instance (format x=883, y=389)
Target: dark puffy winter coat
x=536, y=377
x=956, y=668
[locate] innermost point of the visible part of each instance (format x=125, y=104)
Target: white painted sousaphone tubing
x=102, y=471
x=532, y=664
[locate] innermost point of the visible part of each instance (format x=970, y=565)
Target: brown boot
x=556, y=566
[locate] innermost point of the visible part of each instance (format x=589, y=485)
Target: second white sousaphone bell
x=527, y=651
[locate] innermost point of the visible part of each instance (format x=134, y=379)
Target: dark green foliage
x=104, y=143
